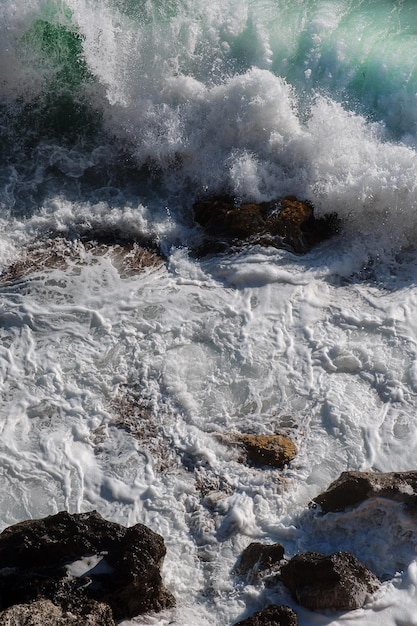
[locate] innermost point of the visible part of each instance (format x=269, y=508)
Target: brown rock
x=352, y=488
x=270, y=450
x=271, y=616
x=45, y=613
x=131, y=259
x=219, y=216
x=34, y=556
x=339, y=581
x=128, y=257
x=285, y=223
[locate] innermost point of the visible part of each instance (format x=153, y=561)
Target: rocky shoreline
x=69, y=569
x=226, y=225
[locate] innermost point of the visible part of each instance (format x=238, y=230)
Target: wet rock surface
x=45, y=613
x=283, y=223
x=353, y=488
x=267, y=450
x=120, y=567
x=128, y=257
x=338, y=582
x=271, y=616
x=259, y=557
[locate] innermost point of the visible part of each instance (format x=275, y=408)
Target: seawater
x=115, y=116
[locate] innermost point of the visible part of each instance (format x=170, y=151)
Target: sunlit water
x=115, y=116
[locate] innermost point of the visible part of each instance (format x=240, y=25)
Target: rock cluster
x=318, y=582
x=327, y=582
x=66, y=570
x=79, y=569
x=283, y=223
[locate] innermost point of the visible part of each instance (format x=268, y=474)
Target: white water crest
x=116, y=389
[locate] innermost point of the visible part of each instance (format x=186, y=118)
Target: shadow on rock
x=285, y=223
x=83, y=565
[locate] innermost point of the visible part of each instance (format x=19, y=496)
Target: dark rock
x=268, y=450
x=35, y=556
x=258, y=557
x=352, y=488
x=271, y=616
x=338, y=581
x=285, y=223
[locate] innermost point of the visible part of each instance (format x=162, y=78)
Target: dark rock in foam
x=263, y=556
x=257, y=558
x=352, y=488
x=339, y=581
x=35, y=556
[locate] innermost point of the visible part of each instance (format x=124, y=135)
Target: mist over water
x=114, y=117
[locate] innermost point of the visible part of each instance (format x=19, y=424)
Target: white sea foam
x=233, y=359
x=116, y=390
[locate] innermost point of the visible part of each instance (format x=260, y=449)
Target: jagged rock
x=268, y=450
x=338, y=581
x=45, y=613
x=121, y=566
x=258, y=557
x=271, y=616
x=285, y=223
x=352, y=488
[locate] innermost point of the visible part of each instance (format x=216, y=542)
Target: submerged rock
x=285, y=223
x=352, y=488
x=271, y=616
x=46, y=255
x=259, y=557
x=77, y=561
x=133, y=414
x=268, y=450
x=338, y=581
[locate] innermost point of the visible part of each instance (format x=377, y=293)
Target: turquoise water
x=360, y=53
x=235, y=97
